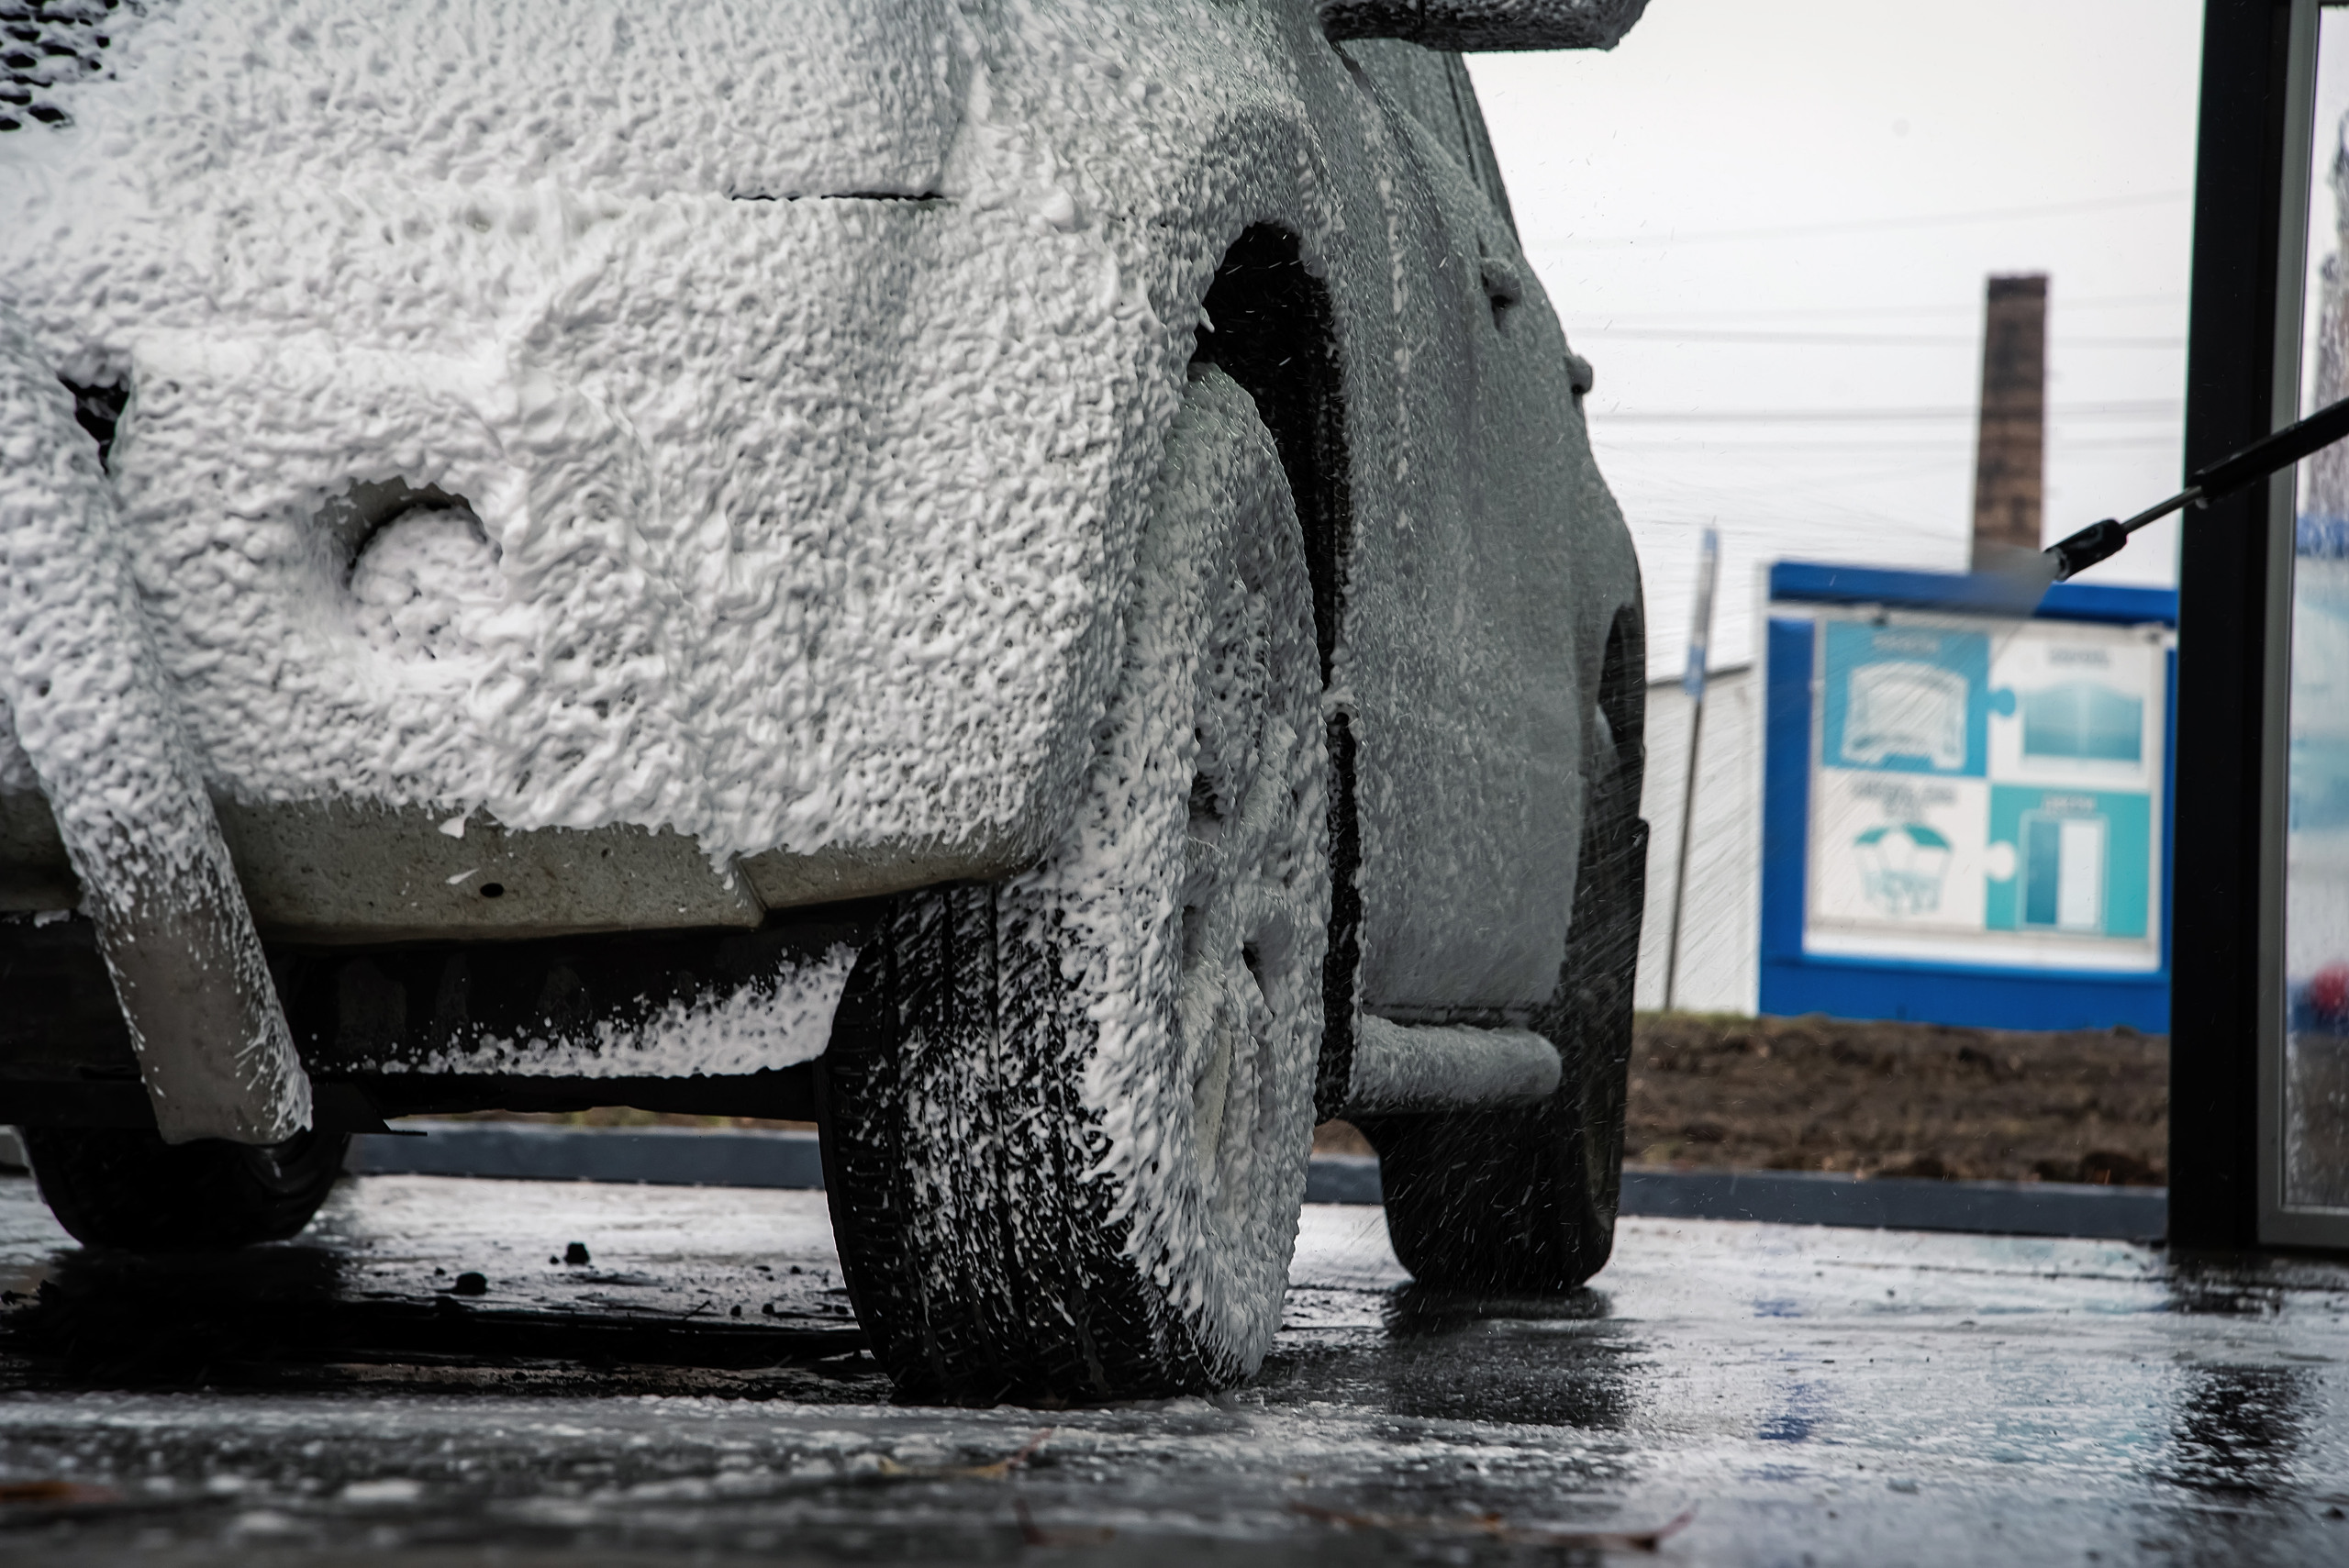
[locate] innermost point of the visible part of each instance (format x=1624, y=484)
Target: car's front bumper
x=329, y=873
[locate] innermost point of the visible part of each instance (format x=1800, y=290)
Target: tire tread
x=126, y=1188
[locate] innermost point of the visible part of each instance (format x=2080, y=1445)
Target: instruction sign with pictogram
x=1974, y=796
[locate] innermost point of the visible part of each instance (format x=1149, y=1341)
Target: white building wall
x=1720, y=934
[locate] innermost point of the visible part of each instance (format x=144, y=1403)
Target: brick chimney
x=2009, y=455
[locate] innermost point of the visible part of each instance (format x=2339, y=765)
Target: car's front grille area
x=47, y=44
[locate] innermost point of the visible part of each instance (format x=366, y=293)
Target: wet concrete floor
x=696, y=1388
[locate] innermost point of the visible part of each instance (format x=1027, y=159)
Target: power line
x=1954, y=442
x=1971, y=307
x=2158, y=409
x=1859, y=339
x=1869, y=226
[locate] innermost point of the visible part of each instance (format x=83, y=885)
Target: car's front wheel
x=1066, y=1117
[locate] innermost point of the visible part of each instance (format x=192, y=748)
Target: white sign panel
x=1986, y=792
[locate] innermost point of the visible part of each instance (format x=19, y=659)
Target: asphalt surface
x=676, y=1156
x=696, y=1388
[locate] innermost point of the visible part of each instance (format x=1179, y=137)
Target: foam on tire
x=1067, y=1125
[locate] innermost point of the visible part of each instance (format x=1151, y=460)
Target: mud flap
x=92, y=713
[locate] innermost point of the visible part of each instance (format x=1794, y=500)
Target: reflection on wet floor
x=2238, y=1429
x=641, y=1371
x=1531, y=1362
x=406, y=1283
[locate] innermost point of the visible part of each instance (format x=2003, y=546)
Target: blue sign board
x=1965, y=814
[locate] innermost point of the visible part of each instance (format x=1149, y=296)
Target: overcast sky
x=1789, y=210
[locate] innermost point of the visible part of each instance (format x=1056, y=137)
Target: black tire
x=1066, y=1117
x=127, y=1188
x=1523, y=1202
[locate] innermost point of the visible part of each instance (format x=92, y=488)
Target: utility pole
x=1692, y=681
x=2010, y=449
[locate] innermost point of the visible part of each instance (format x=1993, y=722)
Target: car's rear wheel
x=1522, y=1201
x=126, y=1188
x=1066, y=1117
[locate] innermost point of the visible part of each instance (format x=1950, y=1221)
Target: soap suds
x=1212, y=753
x=422, y=587
x=777, y=1021
x=95, y=720
x=811, y=516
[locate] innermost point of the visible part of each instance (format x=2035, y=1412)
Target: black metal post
x=2216, y=893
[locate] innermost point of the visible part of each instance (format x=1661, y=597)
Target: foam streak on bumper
x=95, y=720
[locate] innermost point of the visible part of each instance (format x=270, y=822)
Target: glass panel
x=2315, y=1077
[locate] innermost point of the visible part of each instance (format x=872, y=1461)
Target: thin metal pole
x=1680, y=871
x=1700, y=639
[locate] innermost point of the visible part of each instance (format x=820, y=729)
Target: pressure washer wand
x=2287, y=446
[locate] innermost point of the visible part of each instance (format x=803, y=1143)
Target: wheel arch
x=1622, y=689
x=1272, y=326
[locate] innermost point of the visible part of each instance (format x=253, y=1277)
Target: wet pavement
x=695, y=1386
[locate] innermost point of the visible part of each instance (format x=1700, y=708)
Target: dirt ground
x=1891, y=1100
x=1819, y=1094
x=1710, y=1092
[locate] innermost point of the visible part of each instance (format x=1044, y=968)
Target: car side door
x=1475, y=669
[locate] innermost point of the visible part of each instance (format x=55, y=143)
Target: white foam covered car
x=1023, y=581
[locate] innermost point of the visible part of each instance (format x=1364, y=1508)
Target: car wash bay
x=436, y=1370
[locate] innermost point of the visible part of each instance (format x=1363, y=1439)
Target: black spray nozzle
x=2095, y=542
x=2099, y=542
